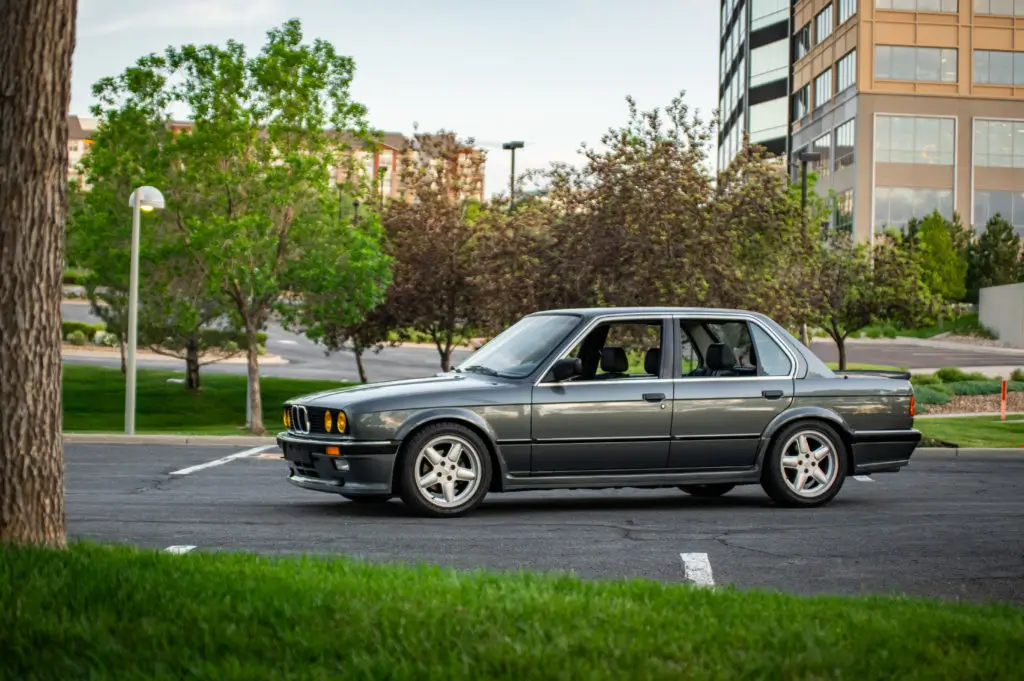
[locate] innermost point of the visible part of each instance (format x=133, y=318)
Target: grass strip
x=974, y=431
x=94, y=401
x=122, y=613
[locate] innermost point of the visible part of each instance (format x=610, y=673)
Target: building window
x=845, y=144
x=768, y=120
x=842, y=219
x=823, y=146
x=768, y=12
x=847, y=8
x=919, y=5
x=896, y=62
x=801, y=102
x=1007, y=7
x=73, y=146
x=895, y=206
x=917, y=140
x=999, y=68
x=823, y=87
x=769, y=63
x=999, y=144
x=802, y=42
x=823, y=24
x=846, y=71
x=1009, y=206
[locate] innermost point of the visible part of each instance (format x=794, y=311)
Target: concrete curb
x=965, y=452
x=117, y=439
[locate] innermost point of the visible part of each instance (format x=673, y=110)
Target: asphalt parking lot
x=951, y=528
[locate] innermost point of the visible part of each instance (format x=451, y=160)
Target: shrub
x=86, y=329
x=988, y=387
x=1017, y=376
x=929, y=395
x=873, y=332
x=925, y=379
x=77, y=337
x=955, y=375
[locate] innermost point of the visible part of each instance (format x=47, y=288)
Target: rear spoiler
x=899, y=375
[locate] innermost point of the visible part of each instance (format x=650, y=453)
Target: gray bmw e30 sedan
x=699, y=399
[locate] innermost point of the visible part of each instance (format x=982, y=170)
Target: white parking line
x=222, y=460
x=697, y=569
x=179, y=549
x=863, y=478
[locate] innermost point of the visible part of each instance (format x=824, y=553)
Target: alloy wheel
x=809, y=464
x=447, y=471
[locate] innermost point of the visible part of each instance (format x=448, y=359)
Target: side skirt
x=514, y=483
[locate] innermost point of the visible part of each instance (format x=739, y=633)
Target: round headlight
x=342, y=422
x=327, y=421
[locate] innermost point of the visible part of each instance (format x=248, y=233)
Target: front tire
x=806, y=465
x=445, y=471
x=707, y=490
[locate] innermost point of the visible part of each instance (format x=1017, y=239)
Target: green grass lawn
x=974, y=431
x=121, y=613
x=94, y=401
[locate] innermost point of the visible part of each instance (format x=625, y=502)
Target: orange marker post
x=1003, y=406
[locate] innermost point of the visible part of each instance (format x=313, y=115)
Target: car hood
x=401, y=390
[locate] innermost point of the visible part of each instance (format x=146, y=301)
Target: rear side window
x=773, y=361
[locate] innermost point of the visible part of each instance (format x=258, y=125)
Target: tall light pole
x=512, y=146
x=143, y=199
x=805, y=158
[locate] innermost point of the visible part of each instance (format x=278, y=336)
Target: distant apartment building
x=914, y=105
x=753, y=76
x=380, y=161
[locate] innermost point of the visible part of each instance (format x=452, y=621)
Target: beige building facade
x=915, y=105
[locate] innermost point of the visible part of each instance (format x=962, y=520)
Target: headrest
x=614, y=360
x=720, y=357
x=652, y=361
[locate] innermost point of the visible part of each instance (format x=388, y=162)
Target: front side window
x=620, y=350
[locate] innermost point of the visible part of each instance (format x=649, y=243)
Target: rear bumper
x=360, y=467
x=883, y=451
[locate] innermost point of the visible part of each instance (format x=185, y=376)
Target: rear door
x=732, y=378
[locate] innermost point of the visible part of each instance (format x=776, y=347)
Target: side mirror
x=567, y=367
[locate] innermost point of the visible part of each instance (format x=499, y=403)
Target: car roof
x=590, y=312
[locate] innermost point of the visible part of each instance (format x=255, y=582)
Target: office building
x=914, y=105
x=754, y=72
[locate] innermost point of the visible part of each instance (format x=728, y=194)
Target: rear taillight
x=913, y=406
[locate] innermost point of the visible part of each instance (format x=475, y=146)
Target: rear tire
x=445, y=471
x=708, y=490
x=806, y=465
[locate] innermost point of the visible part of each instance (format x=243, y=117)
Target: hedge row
x=76, y=331
x=942, y=393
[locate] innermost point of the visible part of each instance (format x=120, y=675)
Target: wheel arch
x=806, y=415
x=462, y=417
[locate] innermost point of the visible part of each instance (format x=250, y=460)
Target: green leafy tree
x=252, y=173
x=857, y=286
x=996, y=258
x=936, y=244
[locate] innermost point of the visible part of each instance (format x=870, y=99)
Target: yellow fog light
x=327, y=421
x=287, y=418
x=342, y=422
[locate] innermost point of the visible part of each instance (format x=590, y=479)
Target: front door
x=733, y=380
x=616, y=417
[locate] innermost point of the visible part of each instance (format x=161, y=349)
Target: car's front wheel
x=446, y=470
x=707, y=489
x=806, y=465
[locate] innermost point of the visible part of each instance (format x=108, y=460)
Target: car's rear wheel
x=368, y=498
x=806, y=465
x=708, y=489
x=446, y=470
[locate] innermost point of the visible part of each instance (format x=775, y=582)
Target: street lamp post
x=805, y=158
x=512, y=146
x=143, y=200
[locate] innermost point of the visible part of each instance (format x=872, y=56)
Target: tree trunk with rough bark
x=255, y=399
x=358, y=351
x=37, y=39
x=192, y=364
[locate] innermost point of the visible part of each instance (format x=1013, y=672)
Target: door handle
x=654, y=397
x=771, y=394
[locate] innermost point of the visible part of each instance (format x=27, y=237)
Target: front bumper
x=883, y=451
x=359, y=467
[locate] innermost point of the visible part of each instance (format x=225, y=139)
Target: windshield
x=517, y=350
